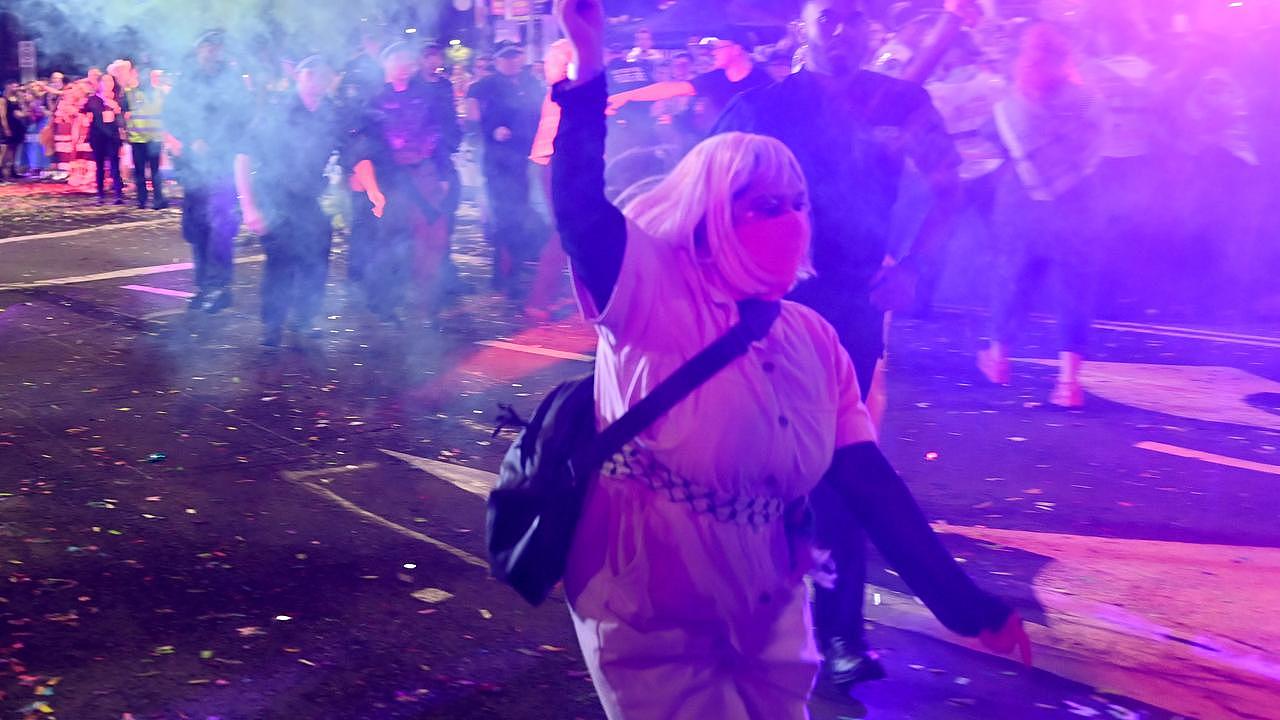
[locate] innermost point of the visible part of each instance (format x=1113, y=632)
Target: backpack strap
x=755, y=318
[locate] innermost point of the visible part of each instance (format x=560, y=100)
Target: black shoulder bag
x=534, y=508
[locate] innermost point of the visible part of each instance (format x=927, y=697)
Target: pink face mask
x=778, y=247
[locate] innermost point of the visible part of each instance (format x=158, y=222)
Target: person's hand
x=253, y=218
x=502, y=134
x=616, y=101
x=583, y=23
x=1011, y=636
x=969, y=11
x=894, y=287
x=379, y=202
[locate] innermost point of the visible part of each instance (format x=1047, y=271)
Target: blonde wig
x=693, y=206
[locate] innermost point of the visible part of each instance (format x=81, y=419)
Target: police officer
x=506, y=106
x=280, y=178
x=434, y=76
x=205, y=114
x=362, y=79
x=401, y=160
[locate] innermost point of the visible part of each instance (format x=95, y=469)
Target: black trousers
x=516, y=233
x=293, y=281
x=406, y=256
x=210, y=221
x=837, y=611
x=104, y=153
x=146, y=156
x=360, y=242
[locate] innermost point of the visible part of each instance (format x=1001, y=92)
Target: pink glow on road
x=160, y=291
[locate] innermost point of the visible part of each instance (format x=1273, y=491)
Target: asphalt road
x=194, y=527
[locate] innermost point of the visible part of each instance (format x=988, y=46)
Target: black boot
x=216, y=301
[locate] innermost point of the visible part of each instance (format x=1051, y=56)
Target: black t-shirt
x=290, y=147
x=403, y=129
x=444, y=111
x=714, y=93
x=852, y=149
x=107, y=120
x=362, y=78
x=623, y=76
x=513, y=102
x=209, y=105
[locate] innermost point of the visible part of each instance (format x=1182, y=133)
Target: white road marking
x=349, y=506
x=1231, y=339
x=1148, y=329
x=324, y=472
x=159, y=291
x=96, y=228
x=1197, y=331
x=531, y=350
x=476, y=482
x=1214, y=458
x=166, y=313
x=116, y=274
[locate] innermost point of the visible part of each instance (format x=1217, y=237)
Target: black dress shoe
x=159, y=205
x=216, y=301
x=844, y=668
x=196, y=302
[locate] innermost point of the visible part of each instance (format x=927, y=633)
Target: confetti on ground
x=432, y=595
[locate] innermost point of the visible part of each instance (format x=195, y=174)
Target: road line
x=531, y=350
x=1198, y=331
x=1192, y=336
x=346, y=504
x=165, y=313
x=96, y=228
x=116, y=274
x=159, y=291
x=477, y=482
x=1146, y=329
x=1209, y=457
x=322, y=472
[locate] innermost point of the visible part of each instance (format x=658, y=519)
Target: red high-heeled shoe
x=1011, y=635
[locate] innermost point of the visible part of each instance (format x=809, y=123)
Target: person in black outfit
x=13, y=129
x=434, y=75
x=106, y=135
x=633, y=126
x=506, y=106
x=280, y=178
x=362, y=79
x=401, y=160
x=734, y=73
x=206, y=114
x=852, y=131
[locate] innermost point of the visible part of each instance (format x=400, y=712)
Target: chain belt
x=753, y=511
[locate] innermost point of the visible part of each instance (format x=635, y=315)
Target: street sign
x=27, y=60
x=511, y=9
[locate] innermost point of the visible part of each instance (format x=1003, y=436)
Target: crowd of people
x=680, y=182
x=73, y=130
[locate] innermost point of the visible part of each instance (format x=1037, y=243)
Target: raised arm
x=662, y=90
x=592, y=231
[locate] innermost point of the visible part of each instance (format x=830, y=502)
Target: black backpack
x=533, y=511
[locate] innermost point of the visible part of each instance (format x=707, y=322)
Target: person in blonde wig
x=684, y=579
